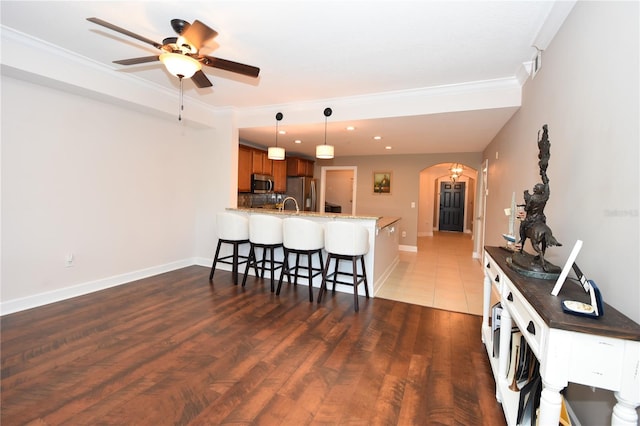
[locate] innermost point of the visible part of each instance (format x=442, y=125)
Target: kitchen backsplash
x=258, y=200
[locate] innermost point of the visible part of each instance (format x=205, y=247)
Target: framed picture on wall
x=382, y=182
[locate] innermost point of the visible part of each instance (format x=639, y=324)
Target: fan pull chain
x=181, y=107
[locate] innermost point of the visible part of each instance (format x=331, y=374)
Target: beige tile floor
x=442, y=274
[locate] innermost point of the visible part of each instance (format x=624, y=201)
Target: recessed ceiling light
x=282, y=132
x=387, y=147
x=350, y=128
x=297, y=141
x=377, y=138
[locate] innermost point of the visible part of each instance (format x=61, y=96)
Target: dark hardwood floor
x=174, y=350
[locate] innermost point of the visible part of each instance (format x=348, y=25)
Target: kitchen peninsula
x=383, y=241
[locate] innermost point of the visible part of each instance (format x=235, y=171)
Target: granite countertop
x=382, y=221
x=385, y=221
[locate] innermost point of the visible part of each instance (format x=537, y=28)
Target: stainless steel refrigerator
x=304, y=190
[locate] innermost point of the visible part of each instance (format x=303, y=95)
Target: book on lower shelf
x=525, y=379
x=514, y=358
x=496, y=312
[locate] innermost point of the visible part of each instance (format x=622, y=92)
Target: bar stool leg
x=335, y=275
x=364, y=274
x=285, y=270
x=250, y=261
x=234, y=266
x=215, y=259
x=273, y=270
x=355, y=282
x=297, y=269
x=310, y=275
x=323, y=284
x=262, y=262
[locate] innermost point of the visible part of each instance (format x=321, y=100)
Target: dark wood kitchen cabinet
x=252, y=160
x=299, y=167
x=279, y=168
x=244, y=168
x=260, y=162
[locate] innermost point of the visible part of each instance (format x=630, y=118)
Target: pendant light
x=325, y=151
x=275, y=152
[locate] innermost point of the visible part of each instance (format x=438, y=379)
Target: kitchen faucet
x=294, y=202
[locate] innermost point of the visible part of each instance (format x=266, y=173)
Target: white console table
x=603, y=352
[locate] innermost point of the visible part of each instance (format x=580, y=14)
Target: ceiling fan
x=180, y=55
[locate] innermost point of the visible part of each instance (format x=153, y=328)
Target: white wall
x=405, y=185
x=587, y=92
x=129, y=194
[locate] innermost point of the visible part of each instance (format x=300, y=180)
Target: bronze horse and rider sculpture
x=534, y=225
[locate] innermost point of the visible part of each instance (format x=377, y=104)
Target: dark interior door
x=451, y=206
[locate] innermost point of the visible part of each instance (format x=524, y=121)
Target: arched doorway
x=431, y=183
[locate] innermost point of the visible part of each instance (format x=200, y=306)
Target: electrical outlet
x=404, y=234
x=68, y=260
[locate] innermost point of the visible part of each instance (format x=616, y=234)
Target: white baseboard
x=413, y=249
x=384, y=275
x=41, y=299
x=203, y=261
x=23, y=303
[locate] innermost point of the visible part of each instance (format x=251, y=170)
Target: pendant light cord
x=327, y=113
x=325, y=130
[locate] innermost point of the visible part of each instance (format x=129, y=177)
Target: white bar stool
x=346, y=241
x=231, y=229
x=301, y=237
x=265, y=232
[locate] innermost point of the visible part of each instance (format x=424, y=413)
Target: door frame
x=482, y=209
x=323, y=178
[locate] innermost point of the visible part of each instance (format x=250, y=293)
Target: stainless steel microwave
x=261, y=184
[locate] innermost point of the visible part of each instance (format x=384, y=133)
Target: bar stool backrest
x=231, y=226
x=302, y=234
x=345, y=238
x=265, y=229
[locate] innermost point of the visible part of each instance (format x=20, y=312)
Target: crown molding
x=23, y=57
x=487, y=94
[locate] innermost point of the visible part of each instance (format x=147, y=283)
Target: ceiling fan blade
x=179, y=25
x=227, y=65
x=140, y=60
x=125, y=32
x=198, y=33
x=201, y=80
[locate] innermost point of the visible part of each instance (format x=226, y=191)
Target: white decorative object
x=567, y=267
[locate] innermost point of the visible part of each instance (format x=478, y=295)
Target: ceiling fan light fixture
x=180, y=65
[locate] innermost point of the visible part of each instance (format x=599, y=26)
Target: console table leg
x=550, y=405
x=486, y=302
x=624, y=412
